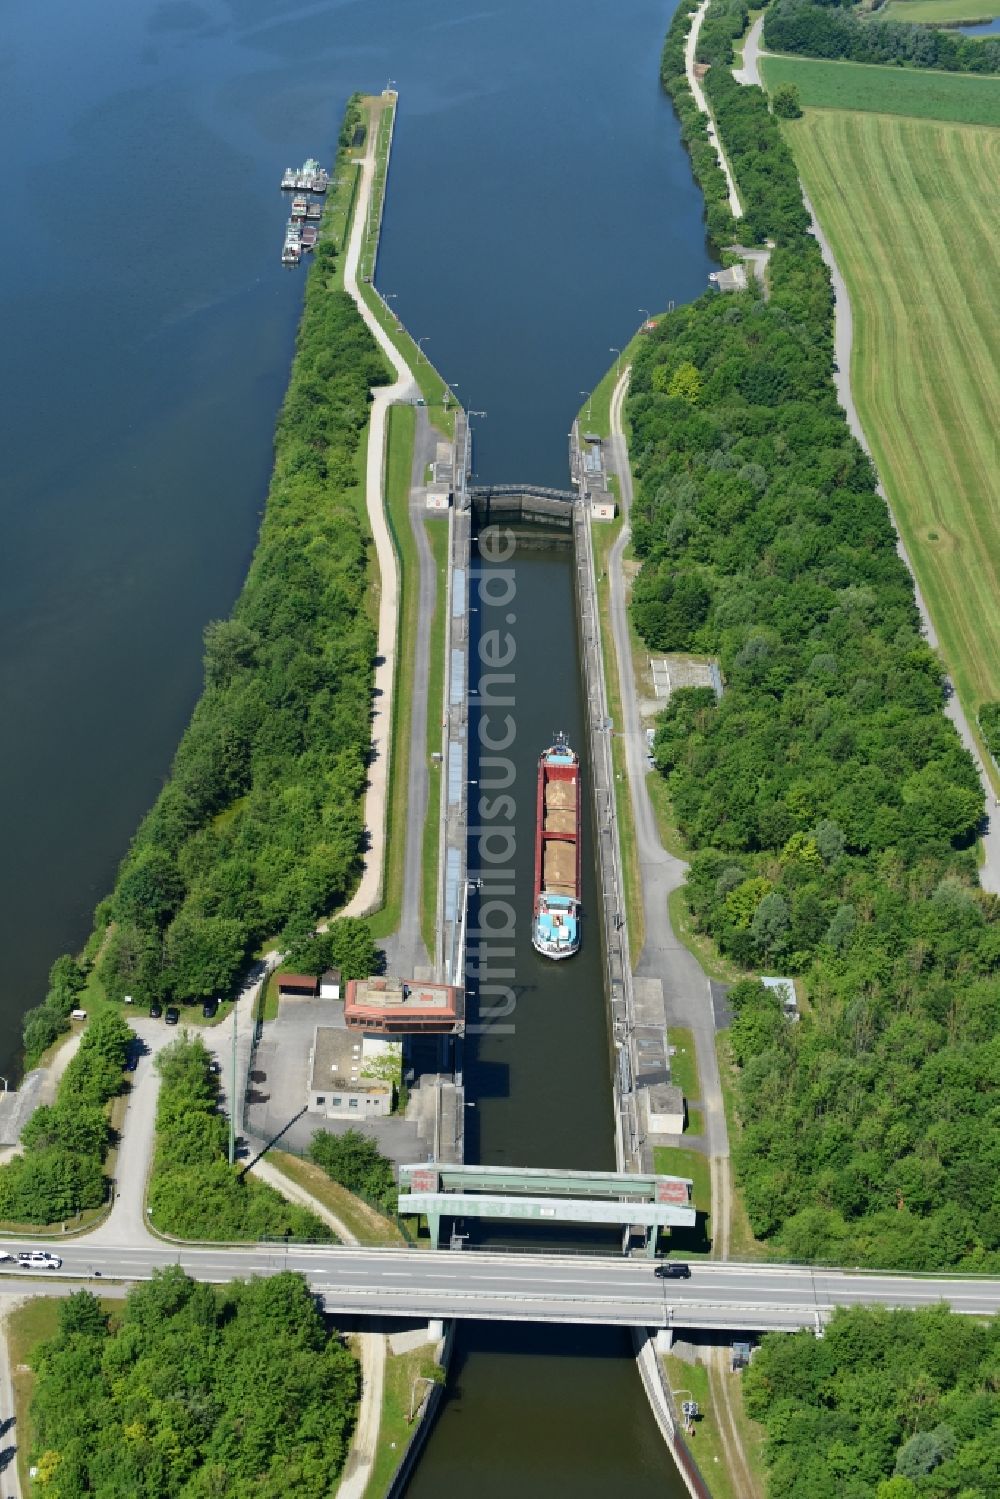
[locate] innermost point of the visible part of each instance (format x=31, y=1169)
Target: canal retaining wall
x=612, y=910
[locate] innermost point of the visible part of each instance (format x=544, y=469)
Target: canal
x=539, y=198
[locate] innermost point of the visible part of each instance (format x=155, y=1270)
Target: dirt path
x=720, y=1382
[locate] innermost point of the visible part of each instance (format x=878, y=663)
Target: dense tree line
x=194, y=1392
x=258, y=829
x=989, y=722
x=818, y=28
x=194, y=1193
x=47, y=1021
x=355, y=1161
x=347, y=944
x=61, y=1168
x=694, y=129
x=887, y=1405
x=831, y=807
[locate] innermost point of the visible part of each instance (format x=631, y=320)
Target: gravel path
x=685, y=988
x=690, y=47
x=368, y=895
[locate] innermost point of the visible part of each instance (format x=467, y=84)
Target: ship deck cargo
x=556, y=929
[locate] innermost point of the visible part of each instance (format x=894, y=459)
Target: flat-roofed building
x=344, y=1082
x=392, y=1006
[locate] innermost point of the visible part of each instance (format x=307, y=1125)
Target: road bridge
x=584, y=1289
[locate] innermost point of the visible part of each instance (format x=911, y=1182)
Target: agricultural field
x=969, y=99
x=939, y=12
x=911, y=209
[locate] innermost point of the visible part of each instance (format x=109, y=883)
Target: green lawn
x=911, y=208
x=683, y=1063
x=690, y=1382
x=367, y=1226
x=670, y=1160
x=437, y=533
x=961, y=97
x=399, y=463
x=957, y=12
x=402, y=1390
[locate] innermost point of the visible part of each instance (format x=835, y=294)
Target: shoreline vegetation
x=258, y=829
x=832, y=811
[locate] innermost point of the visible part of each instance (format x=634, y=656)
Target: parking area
x=279, y=1081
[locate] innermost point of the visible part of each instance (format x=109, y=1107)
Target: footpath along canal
x=539, y=197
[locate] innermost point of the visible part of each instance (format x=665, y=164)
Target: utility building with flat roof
x=399, y=1007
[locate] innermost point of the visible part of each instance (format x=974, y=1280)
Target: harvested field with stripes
x=911, y=208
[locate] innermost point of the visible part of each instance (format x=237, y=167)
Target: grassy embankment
x=910, y=207
x=692, y=1381
x=367, y=1226
x=379, y=113
x=402, y=1390
x=27, y=1326
x=967, y=99
x=595, y=416
x=940, y=12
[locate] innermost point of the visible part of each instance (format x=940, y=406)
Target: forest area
x=886, y=1405
x=192, y=1391
x=815, y=28
x=831, y=809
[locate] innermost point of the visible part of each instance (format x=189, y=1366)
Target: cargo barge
x=558, y=853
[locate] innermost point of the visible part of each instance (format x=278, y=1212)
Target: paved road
x=126, y=1223
x=11, y=1480
x=752, y=53
x=690, y=47
x=685, y=987
x=530, y=1288
x=368, y=895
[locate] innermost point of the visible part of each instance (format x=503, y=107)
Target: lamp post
x=5, y=1084
x=645, y=312
x=420, y=346
x=618, y=361
x=589, y=394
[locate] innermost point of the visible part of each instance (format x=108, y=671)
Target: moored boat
x=288, y=178
x=558, y=853
x=300, y=205
x=309, y=235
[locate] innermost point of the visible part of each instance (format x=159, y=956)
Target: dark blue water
x=981, y=28
x=539, y=197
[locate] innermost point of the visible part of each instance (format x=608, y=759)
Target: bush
x=786, y=102
x=60, y=1172
x=194, y=1390
x=354, y=1160
x=829, y=803
x=193, y=1192
x=834, y=31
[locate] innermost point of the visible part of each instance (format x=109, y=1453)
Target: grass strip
x=922, y=93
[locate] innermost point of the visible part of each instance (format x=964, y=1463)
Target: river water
x=539, y=198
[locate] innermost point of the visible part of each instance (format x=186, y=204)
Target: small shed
x=665, y=1110
x=733, y=278
x=329, y=984
x=341, y=1085
x=438, y=499
x=297, y=985
x=783, y=990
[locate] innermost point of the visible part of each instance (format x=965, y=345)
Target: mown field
x=911, y=209
x=956, y=12
x=964, y=98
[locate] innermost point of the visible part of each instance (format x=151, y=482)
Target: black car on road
x=155, y=1010
x=673, y=1270
x=173, y=1015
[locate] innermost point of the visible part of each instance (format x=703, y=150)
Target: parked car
x=209, y=1008
x=5, y=1258
x=173, y=1015
x=155, y=1010
x=38, y=1259
x=673, y=1270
